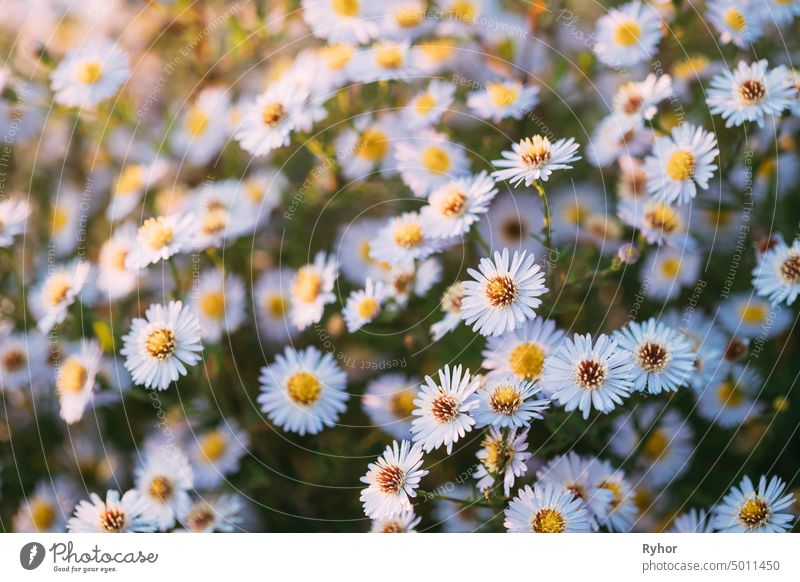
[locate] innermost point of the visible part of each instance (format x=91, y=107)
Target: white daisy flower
x=114, y=280
x=681, y=164
x=427, y=107
x=693, y=521
x=391, y=480
x=219, y=302
x=164, y=480
x=404, y=522
x=342, y=21
x=364, y=305
x=115, y=514
x=433, y=56
x=159, y=347
x=202, y=130
x=623, y=511
x=750, y=93
x=512, y=220
x=133, y=181
x=665, y=444
x=584, y=374
x=707, y=342
x=216, y=453
x=509, y=403
x=667, y=271
x=443, y=409
x=221, y=214
x=535, y=158
x=220, y=514
x=405, y=238
x=777, y=275
x=90, y=74
x=262, y=192
x=276, y=113
x=663, y=359
x=503, y=295
x=405, y=19
x=354, y=248
x=503, y=99
x=389, y=402
x=67, y=214
x=747, y=316
x=546, y=509
x=46, y=509
x=737, y=21
x=430, y=160
x=639, y=101
x=617, y=136
x=14, y=213
x=76, y=379
x=728, y=398
x=368, y=147
x=579, y=476
x=659, y=222
x=51, y=298
x=303, y=391
x=627, y=35
x=384, y=60
x=783, y=12
x=21, y=360
x=450, y=304
x=503, y=456
x=454, y=207
x=272, y=302
x=311, y=290
x=523, y=352
x=161, y=237
x=413, y=278
x=751, y=509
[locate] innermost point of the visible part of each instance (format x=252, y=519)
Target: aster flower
x=638, y=100
x=545, y=509
x=454, y=207
x=777, y=275
x=535, y=158
x=216, y=453
x=501, y=100
x=622, y=511
x=384, y=60
x=389, y=402
x=503, y=295
x=659, y=222
x=46, y=509
x=368, y=147
x=271, y=296
x=627, y=35
x=427, y=107
x=90, y=74
x=115, y=514
x=750, y=93
x=509, y=403
x=693, y=521
x=737, y=21
x=202, y=130
x=521, y=353
x=584, y=374
x=450, y=305
x=663, y=359
x=502, y=456
x=391, y=480
x=681, y=164
x=164, y=480
x=133, y=181
x=311, y=290
x=219, y=303
x=748, y=316
x=666, y=272
x=303, y=391
x=405, y=238
x=429, y=160
x=22, y=358
x=213, y=514
x=160, y=238
x=728, y=398
x=14, y=213
x=751, y=509
x=364, y=305
x=404, y=522
x=512, y=220
x=159, y=347
x=114, y=279
x=443, y=409
x=51, y=298
x=348, y=21
x=76, y=379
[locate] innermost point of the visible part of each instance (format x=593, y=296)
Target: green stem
x=481, y=241
x=547, y=218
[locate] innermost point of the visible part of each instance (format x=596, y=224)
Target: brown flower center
x=652, y=357
x=161, y=489
x=112, y=520
x=590, y=374
x=790, y=270
x=390, y=479
x=754, y=513
x=444, y=408
x=752, y=91
x=501, y=291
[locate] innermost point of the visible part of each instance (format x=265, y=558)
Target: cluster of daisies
x=409, y=168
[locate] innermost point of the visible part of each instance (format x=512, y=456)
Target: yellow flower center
x=408, y=235
x=156, y=232
x=272, y=114
x=112, y=520
x=754, y=513
x=453, y=202
x=304, y=388
x=409, y=17
x=254, y=192
x=663, y=218
x=505, y=400
x=213, y=446
x=43, y=515
x=670, y=267
x=276, y=305
x=535, y=151
x=729, y=394
x=161, y=489
x=437, y=50
x=372, y=145
x=548, y=520
x=527, y=360
x=161, y=343
x=753, y=314
x=690, y=68
x=463, y=10
x=389, y=56
x=214, y=221
x=336, y=56
x=501, y=94
x=72, y=376
x=735, y=19
x=425, y=103
x=213, y=304
x=307, y=284
x=368, y=308
x=401, y=404
x=501, y=291
x=627, y=33
x=345, y=8
x=656, y=445
x=57, y=288
x=130, y=180
x=436, y=160
x=60, y=219
x=196, y=121
x=680, y=165
x=90, y=72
